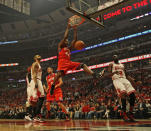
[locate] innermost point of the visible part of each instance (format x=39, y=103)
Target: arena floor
x=75, y=125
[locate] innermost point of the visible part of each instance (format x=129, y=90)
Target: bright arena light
x=104, y=43
x=8, y=42
x=126, y=60
x=12, y=64
x=87, y=48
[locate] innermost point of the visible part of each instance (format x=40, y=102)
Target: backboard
x=92, y=10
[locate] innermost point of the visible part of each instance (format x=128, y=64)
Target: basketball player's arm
x=35, y=68
x=46, y=87
x=60, y=83
x=132, y=80
x=74, y=38
x=128, y=77
x=64, y=38
x=27, y=80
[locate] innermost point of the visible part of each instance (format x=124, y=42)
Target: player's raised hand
x=68, y=25
x=139, y=83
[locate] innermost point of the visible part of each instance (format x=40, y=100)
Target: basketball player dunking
x=57, y=95
x=37, y=87
x=64, y=62
x=123, y=87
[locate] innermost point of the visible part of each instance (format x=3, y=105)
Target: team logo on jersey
x=119, y=67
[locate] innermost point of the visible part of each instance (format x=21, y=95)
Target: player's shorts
x=57, y=95
x=122, y=85
x=34, y=93
x=64, y=65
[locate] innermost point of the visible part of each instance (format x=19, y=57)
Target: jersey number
x=121, y=73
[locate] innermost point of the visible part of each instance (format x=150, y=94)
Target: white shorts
x=122, y=85
x=34, y=93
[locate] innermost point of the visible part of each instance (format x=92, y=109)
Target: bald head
x=49, y=70
x=115, y=59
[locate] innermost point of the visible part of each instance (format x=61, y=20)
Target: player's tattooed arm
x=35, y=68
x=62, y=42
x=74, y=38
x=131, y=79
x=66, y=32
x=27, y=79
x=60, y=83
x=45, y=88
x=128, y=76
x=110, y=67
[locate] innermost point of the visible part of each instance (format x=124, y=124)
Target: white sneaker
x=37, y=119
x=28, y=118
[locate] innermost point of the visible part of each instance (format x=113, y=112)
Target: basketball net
x=76, y=20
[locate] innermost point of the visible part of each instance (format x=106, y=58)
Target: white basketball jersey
x=39, y=73
x=120, y=68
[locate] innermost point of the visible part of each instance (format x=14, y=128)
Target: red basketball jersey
x=50, y=79
x=64, y=54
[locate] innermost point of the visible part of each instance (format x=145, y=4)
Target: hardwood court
x=75, y=125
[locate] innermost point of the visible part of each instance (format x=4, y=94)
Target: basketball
x=79, y=45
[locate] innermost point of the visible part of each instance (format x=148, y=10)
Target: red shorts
x=57, y=95
x=66, y=65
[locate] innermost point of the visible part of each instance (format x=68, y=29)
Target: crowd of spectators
x=12, y=102
x=84, y=99
x=13, y=97
x=91, y=57
x=93, y=102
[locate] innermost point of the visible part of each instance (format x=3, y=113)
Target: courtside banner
x=136, y=58
x=104, y=43
x=12, y=64
x=50, y=58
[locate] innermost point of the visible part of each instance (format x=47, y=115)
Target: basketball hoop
x=76, y=20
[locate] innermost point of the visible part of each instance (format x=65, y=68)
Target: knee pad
x=39, y=105
x=123, y=104
x=132, y=98
x=29, y=110
x=41, y=99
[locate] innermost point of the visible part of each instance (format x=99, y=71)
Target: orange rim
x=76, y=16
